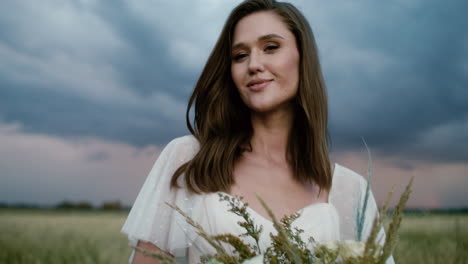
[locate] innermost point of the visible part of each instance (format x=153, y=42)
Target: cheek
x=290, y=79
x=287, y=59
x=288, y=69
x=293, y=65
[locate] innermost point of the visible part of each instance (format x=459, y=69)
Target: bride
x=260, y=128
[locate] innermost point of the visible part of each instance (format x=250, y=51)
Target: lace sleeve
x=150, y=219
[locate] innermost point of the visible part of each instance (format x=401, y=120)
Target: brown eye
x=271, y=47
x=239, y=57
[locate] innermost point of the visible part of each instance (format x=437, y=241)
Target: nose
x=255, y=63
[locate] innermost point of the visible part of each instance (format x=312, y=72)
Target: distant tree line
x=117, y=206
x=68, y=205
x=84, y=205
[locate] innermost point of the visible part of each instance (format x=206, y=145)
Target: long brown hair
x=222, y=122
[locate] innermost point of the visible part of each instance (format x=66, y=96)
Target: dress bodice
x=319, y=221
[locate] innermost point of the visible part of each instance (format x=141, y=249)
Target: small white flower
x=331, y=245
x=255, y=260
x=351, y=249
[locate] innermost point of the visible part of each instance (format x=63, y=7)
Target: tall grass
x=433, y=239
x=37, y=236
x=33, y=236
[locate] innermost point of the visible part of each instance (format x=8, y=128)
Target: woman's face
x=265, y=62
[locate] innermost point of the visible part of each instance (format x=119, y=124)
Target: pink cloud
x=435, y=184
x=46, y=169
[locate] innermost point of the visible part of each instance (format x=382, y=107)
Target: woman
x=260, y=129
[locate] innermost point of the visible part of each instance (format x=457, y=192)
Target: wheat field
x=52, y=237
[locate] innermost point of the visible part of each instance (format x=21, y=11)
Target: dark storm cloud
x=144, y=69
x=56, y=113
x=396, y=73
x=148, y=66
x=417, y=81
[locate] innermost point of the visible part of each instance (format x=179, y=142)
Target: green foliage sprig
x=238, y=207
x=158, y=255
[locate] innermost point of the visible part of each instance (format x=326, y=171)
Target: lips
x=256, y=85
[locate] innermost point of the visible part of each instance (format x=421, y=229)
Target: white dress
x=151, y=220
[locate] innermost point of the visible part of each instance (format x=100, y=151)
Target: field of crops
x=52, y=237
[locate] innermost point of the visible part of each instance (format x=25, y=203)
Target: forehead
x=258, y=24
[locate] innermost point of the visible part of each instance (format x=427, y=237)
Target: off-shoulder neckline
x=300, y=211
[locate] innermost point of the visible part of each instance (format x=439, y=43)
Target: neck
x=271, y=133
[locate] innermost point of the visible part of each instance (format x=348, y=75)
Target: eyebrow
x=262, y=38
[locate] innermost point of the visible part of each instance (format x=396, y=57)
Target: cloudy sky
x=91, y=91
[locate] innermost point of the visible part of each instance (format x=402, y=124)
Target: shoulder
x=347, y=181
x=184, y=148
x=343, y=173
x=177, y=152
x=184, y=142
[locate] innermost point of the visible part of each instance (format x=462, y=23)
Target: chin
x=260, y=107
x=263, y=108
